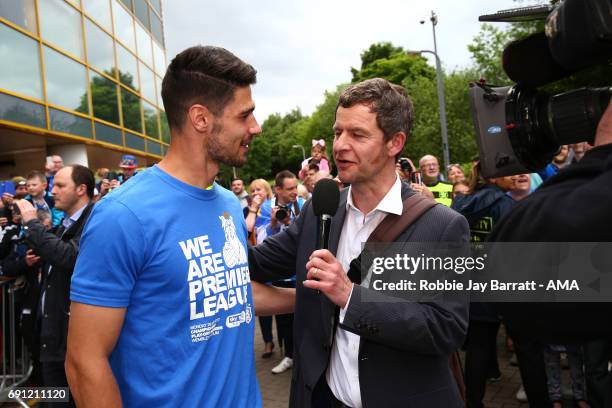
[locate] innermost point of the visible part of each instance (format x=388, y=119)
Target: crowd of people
x=107, y=310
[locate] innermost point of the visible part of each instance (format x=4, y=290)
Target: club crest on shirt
x=234, y=252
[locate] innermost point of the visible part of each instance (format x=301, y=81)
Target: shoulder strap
x=393, y=225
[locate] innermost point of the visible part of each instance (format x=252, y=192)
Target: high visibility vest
x=442, y=192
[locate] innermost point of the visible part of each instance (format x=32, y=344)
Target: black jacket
x=404, y=347
x=573, y=206
x=59, y=252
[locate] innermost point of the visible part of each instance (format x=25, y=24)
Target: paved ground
x=275, y=388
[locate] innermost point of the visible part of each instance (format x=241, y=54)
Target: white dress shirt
x=343, y=371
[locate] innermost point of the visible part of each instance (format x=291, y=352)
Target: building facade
x=81, y=78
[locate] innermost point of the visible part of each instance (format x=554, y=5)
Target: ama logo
x=234, y=252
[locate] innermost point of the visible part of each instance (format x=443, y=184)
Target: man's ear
x=81, y=190
x=199, y=118
x=396, y=144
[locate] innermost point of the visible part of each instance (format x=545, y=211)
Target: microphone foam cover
x=529, y=62
x=325, y=197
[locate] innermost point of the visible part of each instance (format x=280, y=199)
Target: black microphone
x=529, y=62
x=325, y=200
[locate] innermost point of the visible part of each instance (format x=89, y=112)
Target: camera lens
x=281, y=214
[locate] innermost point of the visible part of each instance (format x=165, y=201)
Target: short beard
x=216, y=152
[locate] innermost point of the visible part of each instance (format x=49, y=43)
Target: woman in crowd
x=259, y=191
x=455, y=174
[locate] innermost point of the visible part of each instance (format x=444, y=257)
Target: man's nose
x=255, y=129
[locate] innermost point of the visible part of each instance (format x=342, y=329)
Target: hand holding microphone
x=325, y=273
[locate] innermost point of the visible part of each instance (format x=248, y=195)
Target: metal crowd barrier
x=15, y=369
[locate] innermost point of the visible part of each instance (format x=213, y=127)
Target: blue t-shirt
x=175, y=256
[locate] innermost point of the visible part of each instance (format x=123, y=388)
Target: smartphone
x=7, y=187
x=415, y=177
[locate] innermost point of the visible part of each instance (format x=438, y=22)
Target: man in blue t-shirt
x=162, y=307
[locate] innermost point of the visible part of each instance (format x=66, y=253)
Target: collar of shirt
x=68, y=222
x=391, y=202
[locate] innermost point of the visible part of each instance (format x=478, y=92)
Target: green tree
x=382, y=50
x=383, y=60
x=486, y=49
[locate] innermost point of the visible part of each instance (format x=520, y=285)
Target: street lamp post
x=441, y=102
x=303, y=150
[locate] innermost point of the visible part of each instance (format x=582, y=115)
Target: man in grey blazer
x=369, y=353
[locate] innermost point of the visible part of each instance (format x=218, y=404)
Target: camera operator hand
x=114, y=184
x=31, y=259
x=604, y=129
x=27, y=210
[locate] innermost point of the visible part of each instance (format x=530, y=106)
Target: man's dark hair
x=83, y=175
x=236, y=179
x=279, y=180
x=390, y=102
x=313, y=166
x=205, y=75
x=37, y=174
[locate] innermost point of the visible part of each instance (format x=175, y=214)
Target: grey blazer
x=404, y=347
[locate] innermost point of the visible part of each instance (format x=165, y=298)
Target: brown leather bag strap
x=393, y=225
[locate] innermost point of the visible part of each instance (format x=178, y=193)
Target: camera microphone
x=325, y=200
x=529, y=62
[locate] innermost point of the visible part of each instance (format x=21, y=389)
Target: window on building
x=154, y=147
x=156, y=5
x=104, y=98
x=60, y=24
x=20, y=12
x=66, y=82
x=128, y=71
x=158, y=82
x=160, y=59
x=99, y=10
x=150, y=120
x=124, y=26
x=130, y=107
x=99, y=48
x=108, y=134
x=147, y=82
x=141, y=9
x=145, y=51
x=156, y=29
x=165, y=129
x=20, y=68
x=69, y=123
x=134, y=141
x=128, y=4
x=21, y=111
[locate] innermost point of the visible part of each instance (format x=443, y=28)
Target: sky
x=301, y=48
